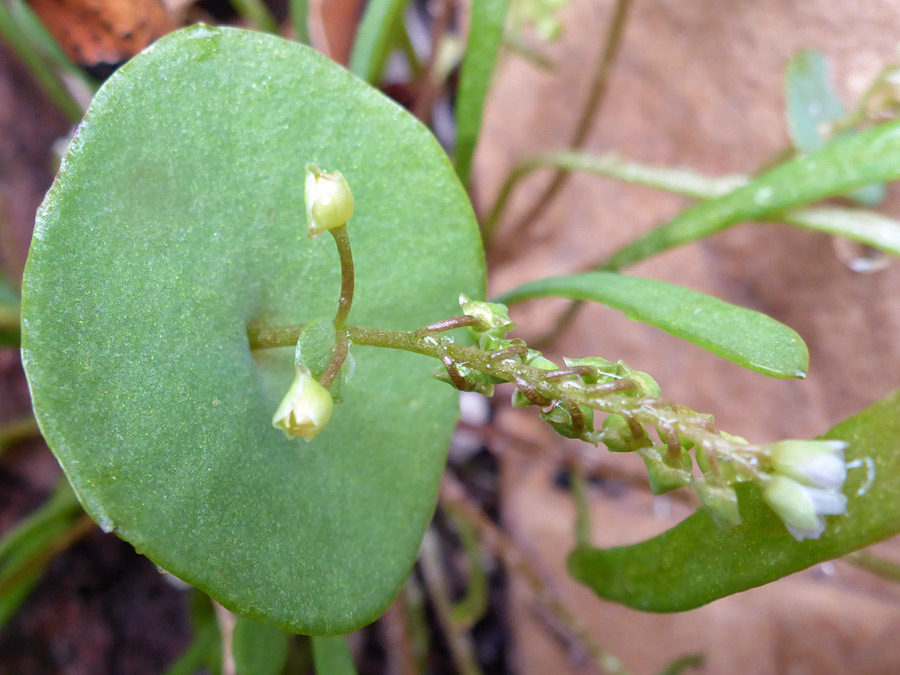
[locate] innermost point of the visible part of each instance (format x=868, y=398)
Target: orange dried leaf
x=103, y=31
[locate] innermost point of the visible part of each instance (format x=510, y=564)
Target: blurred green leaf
x=811, y=102
x=870, y=156
x=205, y=649
x=373, y=38
x=256, y=14
x=9, y=316
x=259, y=649
x=28, y=540
x=332, y=656
x=866, y=227
x=300, y=20
x=27, y=46
x=485, y=38
x=812, y=106
x=695, y=563
x=137, y=352
x=746, y=337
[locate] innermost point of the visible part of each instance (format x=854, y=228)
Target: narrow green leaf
x=683, y=664
x=866, y=227
x=256, y=14
x=21, y=545
x=300, y=20
x=811, y=101
x=373, y=39
x=746, y=337
x=485, y=38
x=139, y=364
x=34, y=31
x=9, y=316
x=12, y=33
x=812, y=106
x=871, y=156
x=205, y=640
x=695, y=563
x=332, y=656
x=259, y=649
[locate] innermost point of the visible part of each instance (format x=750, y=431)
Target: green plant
x=156, y=371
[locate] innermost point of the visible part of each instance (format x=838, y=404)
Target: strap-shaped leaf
x=259, y=649
x=811, y=102
x=695, y=563
x=485, y=37
x=373, y=39
x=177, y=220
x=871, y=156
x=332, y=656
x=812, y=105
x=746, y=337
x=9, y=316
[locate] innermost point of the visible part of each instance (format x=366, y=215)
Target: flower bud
x=663, y=475
x=493, y=320
x=329, y=201
x=719, y=501
x=802, y=507
x=616, y=434
x=306, y=408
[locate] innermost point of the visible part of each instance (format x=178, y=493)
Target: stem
x=532, y=381
x=395, y=633
x=338, y=356
x=342, y=341
x=451, y=323
x=342, y=239
x=461, y=649
x=471, y=607
x=596, y=96
x=428, y=88
x=581, y=497
x=226, y=622
x=610, y=165
x=453, y=496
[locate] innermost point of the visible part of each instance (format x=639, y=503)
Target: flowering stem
x=342, y=341
x=347, y=276
x=669, y=419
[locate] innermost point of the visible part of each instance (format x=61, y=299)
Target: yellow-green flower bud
x=616, y=434
x=493, y=320
x=306, y=408
x=720, y=502
x=329, y=201
x=663, y=476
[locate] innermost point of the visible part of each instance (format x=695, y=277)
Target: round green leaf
x=177, y=220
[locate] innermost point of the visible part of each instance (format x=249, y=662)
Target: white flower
x=306, y=409
x=801, y=507
x=818, y=464
x=805, y=484
x=329, y=201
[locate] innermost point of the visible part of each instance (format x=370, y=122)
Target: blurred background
x=696, y=84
